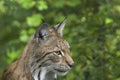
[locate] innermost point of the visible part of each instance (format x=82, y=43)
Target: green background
x=93, y=31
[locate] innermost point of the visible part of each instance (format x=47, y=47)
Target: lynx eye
x=58, y=52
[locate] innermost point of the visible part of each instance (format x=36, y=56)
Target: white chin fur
x=61, y=73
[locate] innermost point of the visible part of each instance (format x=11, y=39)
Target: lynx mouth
x=61, y=71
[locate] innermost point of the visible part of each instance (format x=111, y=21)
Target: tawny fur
x=37, y=51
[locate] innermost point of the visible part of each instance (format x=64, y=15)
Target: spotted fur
x=45, y=56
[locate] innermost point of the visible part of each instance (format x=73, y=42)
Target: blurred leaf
x=27, y=4
x=118, y=31
x=11, y=56
x=2, y=7
x=34, y=20
x=73, y=3
x=31, y=31
x=24, y=37
x=117, y=79
x=118, y=53
x=108, y=20
x=83, y=19
x=42, y=5
x=58, y=3
x=117, y=8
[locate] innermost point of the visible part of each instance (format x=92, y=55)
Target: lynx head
x=51, y=51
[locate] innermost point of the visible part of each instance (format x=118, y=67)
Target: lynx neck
x=43, y=74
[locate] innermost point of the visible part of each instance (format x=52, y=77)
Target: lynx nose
x=69, y=61
x=71, y=64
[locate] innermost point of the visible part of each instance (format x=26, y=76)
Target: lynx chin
x=45, y=56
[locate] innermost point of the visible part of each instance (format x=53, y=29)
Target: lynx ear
x=42, y=32
x=59, y=27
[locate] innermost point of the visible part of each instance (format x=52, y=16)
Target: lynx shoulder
x=45, y=56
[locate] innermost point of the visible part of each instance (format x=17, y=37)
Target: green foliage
x=34, y=20
x=27, y=4
x=11, y=56
x=93, y=31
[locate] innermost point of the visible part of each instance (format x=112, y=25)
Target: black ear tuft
x=42, y=32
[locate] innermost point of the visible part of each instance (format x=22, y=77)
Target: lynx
x=46, y=55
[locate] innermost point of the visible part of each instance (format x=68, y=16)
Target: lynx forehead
x=64, y=42
x=46, y=55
